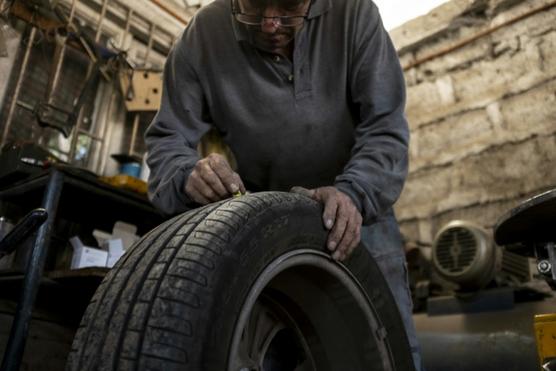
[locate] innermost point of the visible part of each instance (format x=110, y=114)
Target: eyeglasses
x=257, y=20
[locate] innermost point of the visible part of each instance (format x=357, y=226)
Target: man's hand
x=212, y=179
x=340, y=217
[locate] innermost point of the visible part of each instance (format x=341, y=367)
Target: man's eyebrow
x=286, y=5
x=292, y=4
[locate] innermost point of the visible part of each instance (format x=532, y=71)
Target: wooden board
x=145, y=91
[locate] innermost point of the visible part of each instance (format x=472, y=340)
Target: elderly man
x=306, y=93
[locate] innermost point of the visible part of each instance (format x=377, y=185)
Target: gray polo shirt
x=334, y=115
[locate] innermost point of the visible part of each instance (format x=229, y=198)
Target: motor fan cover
x=464, y=254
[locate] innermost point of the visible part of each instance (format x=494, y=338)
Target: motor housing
x=464, y=253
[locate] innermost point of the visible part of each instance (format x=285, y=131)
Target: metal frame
x=33, y=273
x=59, y=60
x=56, y=179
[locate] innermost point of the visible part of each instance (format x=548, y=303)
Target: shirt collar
x=318, y=8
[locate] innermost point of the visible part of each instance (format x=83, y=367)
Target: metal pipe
x=18, y=84
x=477, y=36
x=127, y=26
x=72, y=10
x=75, y=136
x=90, y=135
x=149, y=44
x=107, y=141
x=23, y=229
x=33, y=274
x=100, y=20
x=59, y=58
x=59, y=53
x=106, y=133
x=134, y=133
x=128, y=20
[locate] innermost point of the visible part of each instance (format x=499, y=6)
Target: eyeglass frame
x=236, y=12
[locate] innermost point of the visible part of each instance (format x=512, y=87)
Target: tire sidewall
x=273, y=232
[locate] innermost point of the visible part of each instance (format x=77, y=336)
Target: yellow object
x=545, y=332
x=126, y=182
x=237, y=194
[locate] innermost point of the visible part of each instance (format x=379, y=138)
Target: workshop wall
x=482, y=111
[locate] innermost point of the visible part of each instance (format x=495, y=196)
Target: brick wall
x=481, y=85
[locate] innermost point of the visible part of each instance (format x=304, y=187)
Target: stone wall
x=481, y=85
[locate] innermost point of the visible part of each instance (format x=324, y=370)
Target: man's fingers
x=350, y=234
x=200, y=199
x=213, y=180
x=303, y=191
x=357, y=239
x=239, y=182
x=206, y=191
x=194, y=194
x=198, y=189
x=340, y=216
x=337, y=231
x=227, y=176
x=329, y=213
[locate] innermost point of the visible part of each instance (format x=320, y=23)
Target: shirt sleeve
x=375, y=174
x=174, y=133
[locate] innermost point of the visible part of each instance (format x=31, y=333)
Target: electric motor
x=463, y=253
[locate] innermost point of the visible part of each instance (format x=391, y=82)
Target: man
x=306, y=93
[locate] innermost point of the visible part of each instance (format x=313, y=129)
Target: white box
x=86, y=256
x=126, y=232
x=113, y=259
x=115, y=249
x=101, y=236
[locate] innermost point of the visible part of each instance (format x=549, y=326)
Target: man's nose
x=271, y=22
x=270, y=25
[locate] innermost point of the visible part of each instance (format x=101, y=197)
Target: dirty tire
x=173, y=301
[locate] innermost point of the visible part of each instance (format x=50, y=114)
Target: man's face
x=271, y=35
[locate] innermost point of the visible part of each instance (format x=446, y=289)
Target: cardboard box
x=86, y=256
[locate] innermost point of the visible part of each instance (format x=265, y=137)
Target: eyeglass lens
x=243, y=15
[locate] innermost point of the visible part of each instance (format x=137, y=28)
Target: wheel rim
x=306, y=313
x=272, y=340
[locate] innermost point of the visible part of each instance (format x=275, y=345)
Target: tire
x=237, y=285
